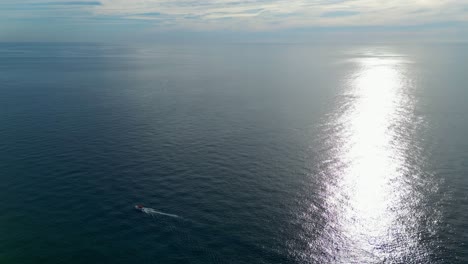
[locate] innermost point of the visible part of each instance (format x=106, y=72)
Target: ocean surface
x=242, y=153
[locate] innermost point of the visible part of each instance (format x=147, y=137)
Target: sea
x=239, y=153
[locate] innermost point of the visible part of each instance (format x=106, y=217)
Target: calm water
x=266, y=153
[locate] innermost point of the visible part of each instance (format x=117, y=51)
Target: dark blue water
x=266, y=153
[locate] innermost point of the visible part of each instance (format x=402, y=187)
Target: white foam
x=151, y=211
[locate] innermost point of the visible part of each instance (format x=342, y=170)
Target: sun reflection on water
x=370, y=157
x=369, y=196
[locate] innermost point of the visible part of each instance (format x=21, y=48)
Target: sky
x=281, y=20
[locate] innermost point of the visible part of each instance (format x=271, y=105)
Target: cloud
x=71, y=3
x=248, y=15
x=254, y=14
x=340, y=13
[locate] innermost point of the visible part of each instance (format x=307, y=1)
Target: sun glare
x=366, y=162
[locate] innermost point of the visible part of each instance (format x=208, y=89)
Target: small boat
x=140, y=207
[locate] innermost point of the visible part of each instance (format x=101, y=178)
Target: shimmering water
x=243, y=153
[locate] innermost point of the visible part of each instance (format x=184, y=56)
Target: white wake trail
x=151, y=211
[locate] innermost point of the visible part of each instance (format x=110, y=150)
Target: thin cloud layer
x=271, y=14
x=246, y=15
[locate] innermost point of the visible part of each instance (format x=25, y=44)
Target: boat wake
x=152, y=212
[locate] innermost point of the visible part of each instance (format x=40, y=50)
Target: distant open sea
x=244, y=153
